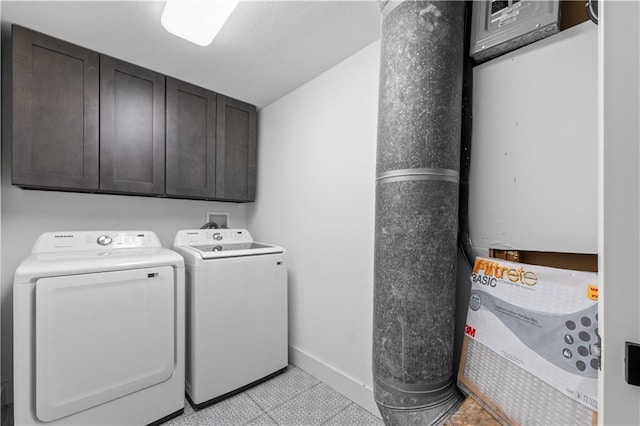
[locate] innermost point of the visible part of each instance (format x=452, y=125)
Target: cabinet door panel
x=55, y=113
x=191, y=140
x=132, y=157
x=236, y=150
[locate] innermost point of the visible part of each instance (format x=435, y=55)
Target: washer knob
x=104, y=240
x=217, y=236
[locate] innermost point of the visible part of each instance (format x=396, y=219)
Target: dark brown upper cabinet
x=236, y=150
x=132, y=133
x=88, y=122
x=191, y=141
x=55, y=113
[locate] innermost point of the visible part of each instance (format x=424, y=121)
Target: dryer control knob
x=104, y=240
x=217, y=236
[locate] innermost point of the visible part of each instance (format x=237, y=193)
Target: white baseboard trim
x=347, y=386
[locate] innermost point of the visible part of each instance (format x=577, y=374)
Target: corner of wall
x=358, y=392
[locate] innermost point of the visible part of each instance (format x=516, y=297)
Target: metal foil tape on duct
x=419, y=174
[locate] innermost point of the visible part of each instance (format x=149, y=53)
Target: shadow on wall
x=463, y=289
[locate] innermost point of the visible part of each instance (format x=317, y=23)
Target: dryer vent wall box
x=500, y=26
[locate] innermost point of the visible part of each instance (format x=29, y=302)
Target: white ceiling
x=264, y=51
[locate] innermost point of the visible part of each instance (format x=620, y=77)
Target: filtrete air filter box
x=531, y=350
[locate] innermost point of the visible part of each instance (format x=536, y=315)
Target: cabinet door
x=131, y=128
x=191, y=140
x=236, y=150
x=55, y=113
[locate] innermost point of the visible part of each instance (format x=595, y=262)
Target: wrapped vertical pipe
x=418, y=159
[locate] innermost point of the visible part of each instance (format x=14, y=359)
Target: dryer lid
x=81, y=252
x=82, y=241
x=56, y=264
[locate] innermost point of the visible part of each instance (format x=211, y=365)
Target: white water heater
x=500, y=26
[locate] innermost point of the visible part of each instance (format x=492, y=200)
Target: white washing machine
x=236, y=312
x=98, y=330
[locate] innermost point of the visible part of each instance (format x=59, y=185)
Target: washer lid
x=217, y=251
x=220, y=243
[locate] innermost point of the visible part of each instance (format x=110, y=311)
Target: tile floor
x=293, y=398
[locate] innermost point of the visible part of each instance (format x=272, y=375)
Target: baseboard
x=347, y=386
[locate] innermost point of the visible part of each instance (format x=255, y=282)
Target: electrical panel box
x=500, y=26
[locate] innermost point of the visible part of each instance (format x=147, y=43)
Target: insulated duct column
x=418, y=160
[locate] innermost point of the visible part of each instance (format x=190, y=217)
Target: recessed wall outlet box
x=221, y=219
x=632, y=361
x=500, y=26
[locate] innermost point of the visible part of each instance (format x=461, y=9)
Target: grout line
x=303, y=392
x=291, y=399
x=326, y=421
x=274, y=420
x=259, y=405
x=262, y=411
x=294, y=396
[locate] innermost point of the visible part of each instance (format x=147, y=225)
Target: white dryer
x=98, y=330
x=236, y=312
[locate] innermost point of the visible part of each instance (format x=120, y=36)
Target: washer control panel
x=230, y=236
x=197, y=237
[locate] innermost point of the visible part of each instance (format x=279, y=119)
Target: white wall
x=25, y=214
x=533, y=181
x=619, y=204
x=316, y=182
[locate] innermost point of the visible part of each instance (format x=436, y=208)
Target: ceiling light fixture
x=197, y=21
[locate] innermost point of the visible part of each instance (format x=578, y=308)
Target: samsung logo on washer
x=63, y=236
